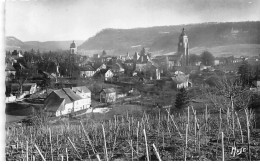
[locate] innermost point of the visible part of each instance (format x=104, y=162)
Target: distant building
x=27, y=88
x=117, y=68
x=87, y=71
x=10, y=98
x=100, y=67
x=129, y=64
x=181, y=81
x=9, y=72
x=173, y=60
x=216, y=62
x=237, y=60
x=106, y=74
x=108, y=95
x=16, y=54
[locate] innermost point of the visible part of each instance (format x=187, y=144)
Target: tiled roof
x=54, y=104
x=67, y=94
x=87, y=68
x=109, y=90
x=71, y=94
x=81, y=89
x=173, y=57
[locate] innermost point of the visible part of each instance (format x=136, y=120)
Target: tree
x=104, y=53
x=182, y=99
x=245, y=72
x=229, y=93
x=207, y=58
x=21, y=76
x=142, y=52
x=193, y=59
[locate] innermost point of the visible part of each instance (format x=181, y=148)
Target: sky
x=53, y=20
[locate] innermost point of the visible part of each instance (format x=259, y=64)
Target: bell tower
x=72, y=58
x=183, y=48
x=73, y=48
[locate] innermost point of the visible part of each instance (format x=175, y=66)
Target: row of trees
x=51, y=62
x=248, y=73
x=206, y=58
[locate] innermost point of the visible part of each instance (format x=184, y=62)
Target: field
x=132, y=133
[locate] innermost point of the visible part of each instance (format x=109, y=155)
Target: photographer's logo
x=235, y=151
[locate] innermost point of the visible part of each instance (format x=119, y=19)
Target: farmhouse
x=108, y=95
x=63, y=101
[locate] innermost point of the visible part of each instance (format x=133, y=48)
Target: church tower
x=183, y=48
x=72, y=58
x=73, y=48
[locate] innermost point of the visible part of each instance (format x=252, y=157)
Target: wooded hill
x=164, y=39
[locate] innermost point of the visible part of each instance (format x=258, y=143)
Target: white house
x=87, y=71
x=64, y=101
x=108, y=74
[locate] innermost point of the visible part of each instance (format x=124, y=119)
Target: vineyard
x=152, y=136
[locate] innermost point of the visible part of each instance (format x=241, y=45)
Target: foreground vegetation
x=155, y=135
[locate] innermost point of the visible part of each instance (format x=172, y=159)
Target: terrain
x=223, y=39
x=13, y=43
x=164, y=39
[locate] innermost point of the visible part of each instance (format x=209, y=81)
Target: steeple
x=183, y=48
x=73, y=48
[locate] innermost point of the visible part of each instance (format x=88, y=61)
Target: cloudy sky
x=46, y=20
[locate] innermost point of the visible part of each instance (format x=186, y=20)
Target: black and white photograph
x=130, y=80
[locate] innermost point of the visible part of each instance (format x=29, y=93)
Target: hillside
x=229, y=50
x=14, y=43
x=164, y=39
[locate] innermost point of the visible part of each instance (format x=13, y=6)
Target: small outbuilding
x=181, y=81
x=108, y=95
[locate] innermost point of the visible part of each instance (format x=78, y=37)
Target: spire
x=183, y=31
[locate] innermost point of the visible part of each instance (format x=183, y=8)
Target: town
x=66, y=83
x=131, y=80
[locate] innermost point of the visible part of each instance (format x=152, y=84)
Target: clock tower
x=183, y=48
